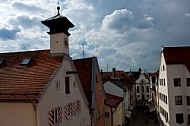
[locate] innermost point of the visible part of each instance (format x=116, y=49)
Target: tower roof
x=58, y=23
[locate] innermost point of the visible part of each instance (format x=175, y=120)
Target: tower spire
x=58, y=8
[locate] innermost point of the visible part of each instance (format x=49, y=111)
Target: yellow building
x=113, y=110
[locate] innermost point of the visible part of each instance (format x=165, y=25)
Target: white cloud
x=187, y=15
x=119, y=21
x=121, y=34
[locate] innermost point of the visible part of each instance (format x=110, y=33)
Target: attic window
x=1, y=61
x=26, y=61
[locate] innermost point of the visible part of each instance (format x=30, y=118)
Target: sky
x=122, y=34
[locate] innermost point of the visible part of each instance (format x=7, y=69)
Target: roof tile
x=26, y=82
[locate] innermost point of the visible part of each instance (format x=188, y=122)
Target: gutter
x=35, y=113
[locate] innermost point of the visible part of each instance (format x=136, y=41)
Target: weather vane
x=58, y=8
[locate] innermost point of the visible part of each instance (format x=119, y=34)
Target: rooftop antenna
x=58, y=8
x=107, y=68
x=83, y=50
x=83, y=54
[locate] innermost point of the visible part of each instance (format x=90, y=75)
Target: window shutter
x=60, y=114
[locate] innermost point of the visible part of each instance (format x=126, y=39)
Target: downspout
x=35, y=113
x=112, y=112
x=93, y=89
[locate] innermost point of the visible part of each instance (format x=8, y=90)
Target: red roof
x=26, y=82
x=121, y=79
x=177, y=55
x=112, y=100
x=84, y=69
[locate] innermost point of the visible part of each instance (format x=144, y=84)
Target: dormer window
x=25, y=61
x=1, y=61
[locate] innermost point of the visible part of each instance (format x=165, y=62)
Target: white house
x=174, y=86
x=143, y=88
x=42, y=88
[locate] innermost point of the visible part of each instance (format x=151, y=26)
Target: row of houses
x=170, y=87
x=49, y=88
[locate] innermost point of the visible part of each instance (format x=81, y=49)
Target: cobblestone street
x=140, y=118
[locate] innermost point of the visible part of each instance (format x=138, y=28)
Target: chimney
x=114, y=70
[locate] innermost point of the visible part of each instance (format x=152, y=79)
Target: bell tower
x=59, y=35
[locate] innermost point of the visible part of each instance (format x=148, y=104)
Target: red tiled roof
x=175, y=55
x=124, y=81
x=84, y=69
x=112, y=100
x=26, y=82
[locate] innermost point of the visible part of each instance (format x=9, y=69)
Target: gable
x=26, y=82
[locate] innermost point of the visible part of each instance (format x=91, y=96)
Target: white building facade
x=143, y=88
x=174, y=87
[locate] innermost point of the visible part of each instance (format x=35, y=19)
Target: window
x=163, y=67
x=137, y=89
x=78, y=106
x=57, y=85
x=107, y=114
x=55, y=116
x=178, y=100
x=179, y=118
x=147, y=89
x=26, y=61
x=177, y=82
x=188, y=100
x=188, y=81
x=142, y=89
x=147, y=96
x=162, y=82
x=67, y=86
x=153, y=79
x=1, y=61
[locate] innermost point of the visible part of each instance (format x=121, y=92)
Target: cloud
x=187, y=15
x=119, y=21
x=25, y=22
x=145, y=23
x=8, y=34
x=26, y=8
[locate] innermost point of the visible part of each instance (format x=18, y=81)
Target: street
x=140, y=118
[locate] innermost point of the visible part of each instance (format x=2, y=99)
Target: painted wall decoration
x=55, y=115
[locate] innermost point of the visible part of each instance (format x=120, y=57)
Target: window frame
x=188, y=101
x=188, y=82
x=177, y=82
x=178, y=100
x=67, y=85
x=179, y=115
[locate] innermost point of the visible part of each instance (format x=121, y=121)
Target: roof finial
x=58, y=8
